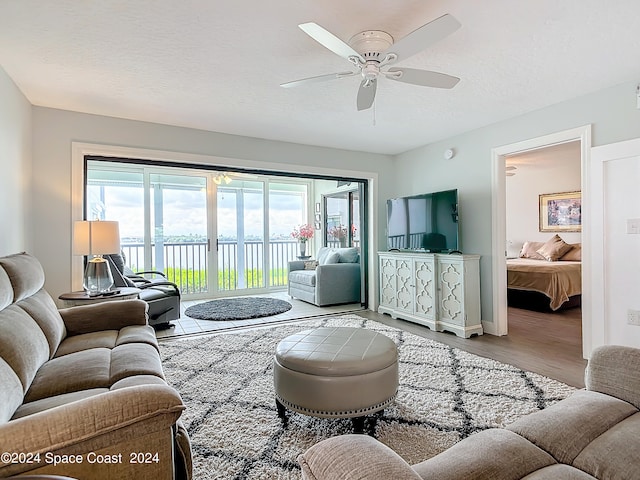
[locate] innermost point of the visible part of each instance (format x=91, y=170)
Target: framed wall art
x=561, y=212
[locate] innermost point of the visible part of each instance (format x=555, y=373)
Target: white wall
x=55, y=130
x=622, y=250
x=15, y=165
x=614, y=117
x=548, y=170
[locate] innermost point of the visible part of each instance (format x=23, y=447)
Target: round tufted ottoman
x=335, y=372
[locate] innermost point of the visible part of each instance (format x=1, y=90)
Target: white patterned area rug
x=445, y=395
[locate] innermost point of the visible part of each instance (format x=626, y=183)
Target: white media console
x=440, y=291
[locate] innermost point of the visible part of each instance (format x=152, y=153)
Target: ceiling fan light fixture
x=222, y=178
x=371, y=50
x=371, y=43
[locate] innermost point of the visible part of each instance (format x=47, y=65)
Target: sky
x=185, y=212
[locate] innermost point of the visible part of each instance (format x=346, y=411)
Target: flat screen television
x=427, y=222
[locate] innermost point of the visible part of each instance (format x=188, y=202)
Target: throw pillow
x=554, y=248
x=333, y=257
x=310, y=265
x=348, y=255
x=573, y=255
x=323, y=254
x=530, y=250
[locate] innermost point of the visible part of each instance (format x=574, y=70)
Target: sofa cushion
x=608, y=455
x=138, y=380
x=50, y=402
x=108, y=339
x=6, y=290
x=94, y=368
x=558, y=471
x=87, y=341
x=305, y=277
x=23, y=346
x=71, y=373
x=615, y=370
x=43, y=310
x=566, y=428
x=25, y=273
x=12, y=391
x=134, y=359
x=493, y=454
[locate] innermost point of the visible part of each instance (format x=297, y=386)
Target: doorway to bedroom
x=544, y=285
x=534, y=210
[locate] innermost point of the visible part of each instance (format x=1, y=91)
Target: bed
x=543, y=285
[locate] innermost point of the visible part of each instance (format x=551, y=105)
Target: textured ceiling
x=217, y=65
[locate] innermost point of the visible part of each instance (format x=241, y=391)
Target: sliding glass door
x=342, y=219
x=162, y=218
x=178, y=240
x=212, y=234
x=240, y=241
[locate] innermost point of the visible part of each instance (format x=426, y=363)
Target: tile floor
x=191, y=326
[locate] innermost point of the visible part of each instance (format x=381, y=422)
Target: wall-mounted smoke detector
x=449, y=153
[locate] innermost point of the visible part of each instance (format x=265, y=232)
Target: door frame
x=596, y=241
x=499, y=237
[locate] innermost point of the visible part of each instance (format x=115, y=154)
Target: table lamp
x=96, y=238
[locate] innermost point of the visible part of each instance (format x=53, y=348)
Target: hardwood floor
x=546, y=343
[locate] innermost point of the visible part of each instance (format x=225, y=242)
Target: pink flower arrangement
x=303, y=233
x=339, y=231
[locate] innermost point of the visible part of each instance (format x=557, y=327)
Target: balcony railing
x=186, y=264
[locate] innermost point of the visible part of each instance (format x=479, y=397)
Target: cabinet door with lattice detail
x=404, y=285
x=451, y=294
x=388, y=282
x=424, y=283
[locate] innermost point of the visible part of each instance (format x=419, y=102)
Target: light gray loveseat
x=83, y=387
x=593, y=434
x=334, y=280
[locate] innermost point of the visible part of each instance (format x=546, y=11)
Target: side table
x=72, y=299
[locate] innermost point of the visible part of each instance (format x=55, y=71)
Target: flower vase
x=343, y=242
x=303, y=249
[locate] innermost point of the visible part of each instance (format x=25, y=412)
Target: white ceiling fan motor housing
x=371, y=43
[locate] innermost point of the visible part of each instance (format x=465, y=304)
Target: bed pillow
x=573, y=255
x=554, y=248
x=530, y=250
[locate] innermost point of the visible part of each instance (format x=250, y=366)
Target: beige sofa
x=82, y=392
x=595, y=433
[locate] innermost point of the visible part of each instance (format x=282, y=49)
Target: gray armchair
x=162, y=296
x=334, y=280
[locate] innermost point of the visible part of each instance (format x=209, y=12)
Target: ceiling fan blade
x=329, y=40
x=366, y=94
x=318, y=79
x=424, y=36
x=424, y=78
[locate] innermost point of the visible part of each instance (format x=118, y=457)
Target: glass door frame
x=132, y=157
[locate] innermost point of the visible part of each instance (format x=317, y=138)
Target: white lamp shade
x=99, y=237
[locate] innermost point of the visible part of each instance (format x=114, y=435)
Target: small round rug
x=237, y=308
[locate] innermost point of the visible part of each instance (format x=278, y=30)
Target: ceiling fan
x=371, y=50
